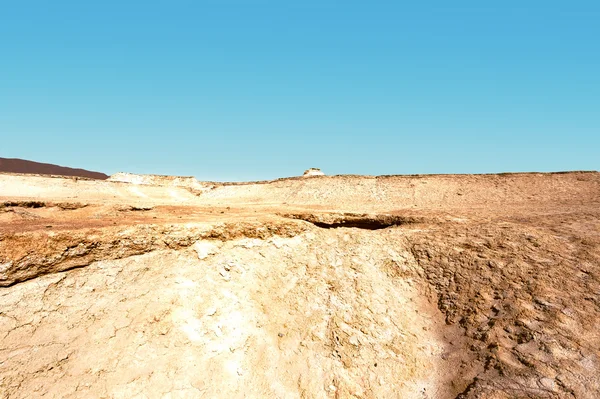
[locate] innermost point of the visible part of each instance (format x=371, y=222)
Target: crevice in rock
x=69, y=206
x=356, y=220
x=22, y=204
x=65, y=206
x=131, y=208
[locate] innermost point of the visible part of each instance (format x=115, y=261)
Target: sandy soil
x=342, y=286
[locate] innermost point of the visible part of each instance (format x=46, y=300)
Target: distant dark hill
x=11, y=165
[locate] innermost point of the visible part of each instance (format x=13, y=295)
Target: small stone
x=332, y=388
x=204, y=249
x=548, y=383
x=280, y=335
x=5, y=266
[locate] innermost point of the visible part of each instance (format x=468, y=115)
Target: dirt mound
x=13, y=165
x=338, y=286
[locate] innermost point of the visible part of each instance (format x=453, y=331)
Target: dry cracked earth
x=471, y=286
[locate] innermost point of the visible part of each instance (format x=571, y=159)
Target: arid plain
x=433, y=286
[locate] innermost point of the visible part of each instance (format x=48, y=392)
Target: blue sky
x=244, y=90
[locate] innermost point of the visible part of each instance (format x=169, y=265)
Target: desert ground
x=427, y=286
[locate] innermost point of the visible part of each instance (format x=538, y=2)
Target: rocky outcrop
x=32, y=254
x=188, y=182
x=313, y=172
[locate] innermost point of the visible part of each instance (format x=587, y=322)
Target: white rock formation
x=313, y=172
x=157, y=180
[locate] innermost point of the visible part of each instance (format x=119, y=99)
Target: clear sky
x=245, y=90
